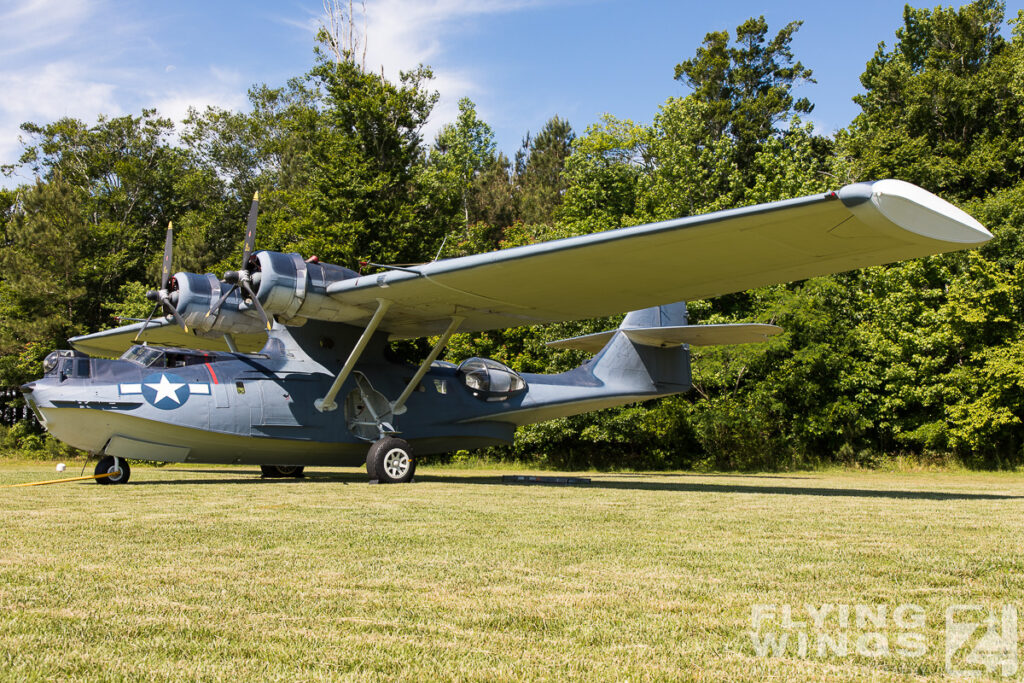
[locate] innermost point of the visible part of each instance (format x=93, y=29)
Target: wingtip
x=916, y=210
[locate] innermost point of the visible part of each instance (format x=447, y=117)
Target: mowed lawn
x=213, y=573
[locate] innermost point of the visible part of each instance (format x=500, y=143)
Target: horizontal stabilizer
x=664, y=337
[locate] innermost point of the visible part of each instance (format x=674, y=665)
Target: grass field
x=213, y=573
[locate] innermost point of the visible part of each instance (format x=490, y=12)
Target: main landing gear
x=390, y=461
x=281, y=471
x=118, y=466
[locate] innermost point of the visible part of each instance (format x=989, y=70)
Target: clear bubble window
x=490, y=380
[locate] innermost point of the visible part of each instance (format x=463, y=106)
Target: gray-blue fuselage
x=177, y=405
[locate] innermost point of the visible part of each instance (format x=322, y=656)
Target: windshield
x=142, y=355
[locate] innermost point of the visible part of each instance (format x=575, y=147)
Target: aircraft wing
x=160, y=332
x=610, y=272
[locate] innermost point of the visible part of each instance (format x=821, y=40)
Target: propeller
x=162, y=296
x=242, y=279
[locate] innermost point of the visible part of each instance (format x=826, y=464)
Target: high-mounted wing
x=160, y=332
x=581, y=277
x=689, y=258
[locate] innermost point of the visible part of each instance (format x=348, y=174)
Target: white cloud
x=223, y=88
x=404, y=33
x=86, y=58
x=48, y=93
x=40, y=24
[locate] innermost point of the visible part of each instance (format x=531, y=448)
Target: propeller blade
x=250, y=230
x=146, y=324
x=165, y=273
x=256, y=302
x=221, y=300
x=169, y=307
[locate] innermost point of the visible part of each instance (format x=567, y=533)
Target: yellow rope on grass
x=61, y=481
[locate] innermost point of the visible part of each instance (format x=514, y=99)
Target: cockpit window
x=53, y=363
x=50, y=363
x=171, y=358
x=144, y=356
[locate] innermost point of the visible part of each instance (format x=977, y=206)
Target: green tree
x=605, y=176
x=463, y=150
x=131, y=180
x=492, y=199
x=539, y=176
x=747, y=86
x=933, y=353
x=43, y=290
x=940, y=108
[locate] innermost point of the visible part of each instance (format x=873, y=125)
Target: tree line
x=924, y=358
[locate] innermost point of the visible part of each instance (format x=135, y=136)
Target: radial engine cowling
x=294, y=291
x=197, y=293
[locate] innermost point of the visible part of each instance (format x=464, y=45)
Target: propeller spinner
x=242, y=279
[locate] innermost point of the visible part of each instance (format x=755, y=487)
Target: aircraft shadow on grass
x=600, y=482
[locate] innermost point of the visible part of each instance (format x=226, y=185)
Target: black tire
x=108, y=464
x=390, y=461
x=281, y=471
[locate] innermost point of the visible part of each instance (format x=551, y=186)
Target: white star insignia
x=165, y=389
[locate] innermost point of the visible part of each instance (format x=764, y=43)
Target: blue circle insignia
x=165, y=390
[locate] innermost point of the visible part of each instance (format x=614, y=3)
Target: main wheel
x=109, y=464
x=277, y=471
x=390, y=461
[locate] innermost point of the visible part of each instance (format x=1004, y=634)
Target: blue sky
x=521, y=61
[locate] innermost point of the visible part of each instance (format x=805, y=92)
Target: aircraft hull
x=139, y=438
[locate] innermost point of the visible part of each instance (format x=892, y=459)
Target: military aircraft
x=285, y=364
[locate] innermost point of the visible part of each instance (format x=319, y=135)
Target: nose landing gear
x=118, y=466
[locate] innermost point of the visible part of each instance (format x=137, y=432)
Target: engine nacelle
x=295, y=291
x=197, y=293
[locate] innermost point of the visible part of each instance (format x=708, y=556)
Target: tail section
x=637, y=367
x=648, y=348
x=646, y=357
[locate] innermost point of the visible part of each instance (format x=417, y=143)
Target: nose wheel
x=390, y=461
x=117, y=468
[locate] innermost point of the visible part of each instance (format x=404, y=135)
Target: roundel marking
x=165, y=390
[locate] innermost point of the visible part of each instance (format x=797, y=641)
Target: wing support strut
x=327, y=403
x=398, y=407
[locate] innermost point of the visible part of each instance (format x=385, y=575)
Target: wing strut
x=398, y=407
x=230, y=341
x=327, y=403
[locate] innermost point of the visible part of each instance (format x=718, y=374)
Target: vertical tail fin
x=653, y=369
x=669, y=315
